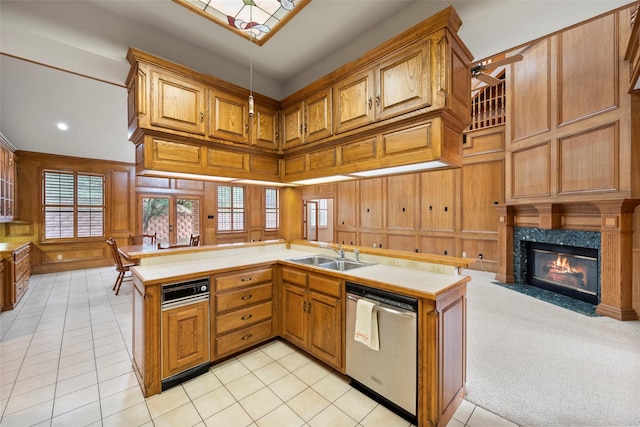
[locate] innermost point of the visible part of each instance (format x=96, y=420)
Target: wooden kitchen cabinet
x=347, y=204
x=437, y=201
x=7, y=183
x=312, y=319
x=243, y=307
x=228, y=117
x=264, y=131
x=185, y=338
x=177, y=102
x=17, y=271
x=308, y=121
x=401, y=203
x=371, y=203
x=396, y=84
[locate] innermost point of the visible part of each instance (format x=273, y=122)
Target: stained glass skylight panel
x=258, y=19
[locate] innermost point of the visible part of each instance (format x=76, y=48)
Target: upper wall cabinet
x=395, y=85
x=229, y=117
x=177, y=102
x=308, y=121
x=265, y=127
x=7, y=183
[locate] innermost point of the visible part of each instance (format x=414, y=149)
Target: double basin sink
x=336, y=264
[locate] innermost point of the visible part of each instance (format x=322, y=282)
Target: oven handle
x=409, y=314
x=184, y=301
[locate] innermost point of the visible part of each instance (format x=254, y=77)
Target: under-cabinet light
x=322, y=180
x=401, y=169
x=62, y=126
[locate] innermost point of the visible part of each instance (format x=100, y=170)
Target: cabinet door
x=177, y=103
x=347, y=204
x=185, y=338
x=265, y=128
x=229, y=117
x=401, y=202
x=371, y=203
x=353, y=98
x=325, y=328
x=294, y=317
x=292, y=123
x=319, y=116
x=403, y=82
x=437, y=201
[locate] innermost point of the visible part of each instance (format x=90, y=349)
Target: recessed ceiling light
x=63, y=126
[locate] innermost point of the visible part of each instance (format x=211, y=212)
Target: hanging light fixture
x=249, y=24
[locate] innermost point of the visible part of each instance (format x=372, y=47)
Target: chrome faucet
x=339, y=251
x=357, y=253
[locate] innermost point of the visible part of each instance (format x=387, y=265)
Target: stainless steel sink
x=342, y=265
x=330, y=263
x=313, y=259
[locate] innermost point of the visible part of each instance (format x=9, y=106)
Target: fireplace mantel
x=612, y=218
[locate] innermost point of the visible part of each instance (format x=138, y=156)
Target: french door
x=173, y=218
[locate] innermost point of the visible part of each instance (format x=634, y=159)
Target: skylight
x=260, y=18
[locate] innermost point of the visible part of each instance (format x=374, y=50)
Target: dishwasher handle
x=377, y=306
x=184, y=301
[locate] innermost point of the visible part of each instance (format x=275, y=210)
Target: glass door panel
x=173, y=219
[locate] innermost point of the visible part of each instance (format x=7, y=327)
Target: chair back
x=116, y=255
x=140, y=239
x=194, y=240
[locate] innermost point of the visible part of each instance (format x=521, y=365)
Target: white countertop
x=427, y=283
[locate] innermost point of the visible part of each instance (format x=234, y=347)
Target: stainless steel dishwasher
x=185, y=331
x=389, y=374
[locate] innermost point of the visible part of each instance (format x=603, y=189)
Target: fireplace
x=568, y=270
x=554, y=259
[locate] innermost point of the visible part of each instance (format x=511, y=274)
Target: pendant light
x=251, y=110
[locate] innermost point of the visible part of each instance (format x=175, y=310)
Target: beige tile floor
x=65, y=360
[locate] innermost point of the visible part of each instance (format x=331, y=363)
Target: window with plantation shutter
x=272, y=206
x=230, y=208
x=73, y=205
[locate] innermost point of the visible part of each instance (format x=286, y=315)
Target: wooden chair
x=121, y=266
x=139, y=239
x=194, y=240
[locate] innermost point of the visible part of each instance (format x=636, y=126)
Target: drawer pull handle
x=247, y=317
x=246, y=297
x=246, y=337
x=246, y=279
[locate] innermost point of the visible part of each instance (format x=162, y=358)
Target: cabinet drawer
x=326, y=285
x=21, y=267
x=21, y=287
x=244, y=317
x=20, y=253
x=238, y=340
x=244, y=278
x=294, y=277
x=242, y=297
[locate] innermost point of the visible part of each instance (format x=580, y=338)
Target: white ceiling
x=51, y=48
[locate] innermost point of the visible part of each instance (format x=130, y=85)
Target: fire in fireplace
x=568, y=270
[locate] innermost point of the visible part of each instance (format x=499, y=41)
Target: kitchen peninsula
x=250, y=303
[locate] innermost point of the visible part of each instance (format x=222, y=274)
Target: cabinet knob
x=370, y=103
x=201, y=117
x=247, y=317
x=377, y=100
x=246, y=279
x=246, y=337
x=246, y=297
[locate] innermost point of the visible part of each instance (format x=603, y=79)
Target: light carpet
x=537, y=364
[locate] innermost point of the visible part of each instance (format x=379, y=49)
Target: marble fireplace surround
x=607, y=225
x=577, y=238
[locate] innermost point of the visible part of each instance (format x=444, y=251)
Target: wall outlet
x=464, y=254
x=59, y=257
x=374, y=245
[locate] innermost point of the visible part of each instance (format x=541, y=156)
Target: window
x=230, y=208
x=322, y=213
x=272, y=206
x=73, y=205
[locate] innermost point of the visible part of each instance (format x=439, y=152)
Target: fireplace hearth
x=568, y=270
